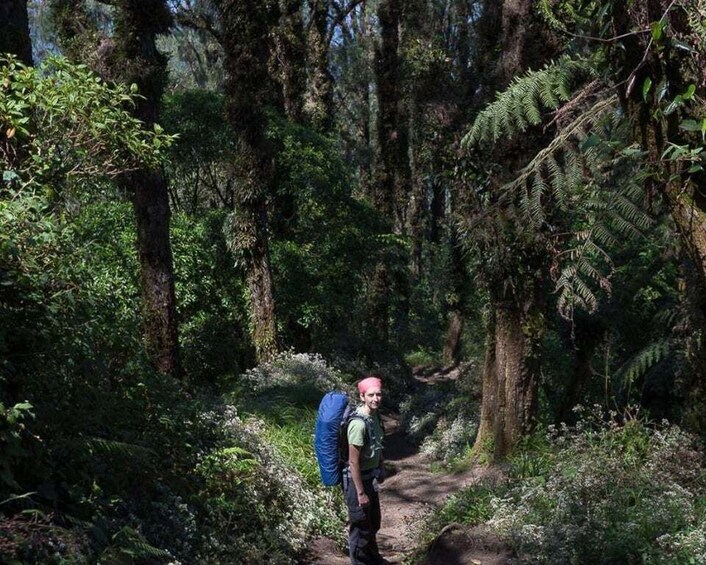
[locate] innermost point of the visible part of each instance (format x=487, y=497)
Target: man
x=363, y=474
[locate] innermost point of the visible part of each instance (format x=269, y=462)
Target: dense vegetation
x=212, y=212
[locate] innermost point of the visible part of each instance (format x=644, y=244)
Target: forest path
x=411, y=493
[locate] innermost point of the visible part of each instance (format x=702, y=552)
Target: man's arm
x=354, y=464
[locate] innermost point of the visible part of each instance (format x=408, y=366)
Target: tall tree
x=392, y=175
x=391, y=172
x=137, y=60
x=318, y=105
x=131, y=56
x=353, y=57
x=289, y=65
x=515, y=261
x=246, y=26
x=14, y=30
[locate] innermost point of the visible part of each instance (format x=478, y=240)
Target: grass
x=289, y=414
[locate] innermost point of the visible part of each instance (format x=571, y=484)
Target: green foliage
x=421, y=357
x=62, y=125
x=610, y=494
x=586, y=177
x=70, y=339
x=522, y=104
x=285, y=395
x=211, y=297
x=12, y=447
x=442, y=420
x=645, y=359
x=200, y=168
x=469, y=506
x=128, y=546
x=323, y=241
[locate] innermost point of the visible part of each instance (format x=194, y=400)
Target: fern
x=129, y=546
x=645, y=359
x=585, y=172
x=584, y=163
x=526, y=100
x=114, y=448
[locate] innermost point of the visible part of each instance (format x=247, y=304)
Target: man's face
x=371, y=398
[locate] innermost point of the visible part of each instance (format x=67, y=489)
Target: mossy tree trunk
x=289, y=63
x=510, y=377
x=515, y=266
x=130, y=56
x=318, y=105
x=137, y=60
x=249, y=88
x=385, y=167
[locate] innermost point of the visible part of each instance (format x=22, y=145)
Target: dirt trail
x=406, y=497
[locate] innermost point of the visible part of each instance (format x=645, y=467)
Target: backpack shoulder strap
x=369, y=428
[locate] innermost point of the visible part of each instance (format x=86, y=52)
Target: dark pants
x=364, y=523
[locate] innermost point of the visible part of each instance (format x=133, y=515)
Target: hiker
x=363, y=474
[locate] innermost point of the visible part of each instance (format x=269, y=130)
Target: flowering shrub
x=450, y=440
x=290, y=368
x=441, y=420
x=260, y=494
x=614, y=493
x=688, y=546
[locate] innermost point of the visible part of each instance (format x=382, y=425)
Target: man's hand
x=363, y=499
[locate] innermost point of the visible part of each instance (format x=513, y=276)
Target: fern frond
x=573, y=291
x=634, y=214
x=645, y=359
x=666, y=318
x=563, y=138
x=524, y=101
x=130, y=543
x=114, y=448
x=602, y=234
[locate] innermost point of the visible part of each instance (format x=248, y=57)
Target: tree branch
x=341, y=15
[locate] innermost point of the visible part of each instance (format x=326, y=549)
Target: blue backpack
x=331, y=435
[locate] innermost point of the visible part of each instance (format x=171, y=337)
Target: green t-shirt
x=370, y=454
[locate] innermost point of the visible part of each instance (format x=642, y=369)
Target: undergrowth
x=607, y=490
x=442, y=420
x=204, y=480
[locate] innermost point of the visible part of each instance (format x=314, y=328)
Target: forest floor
x=409, y=495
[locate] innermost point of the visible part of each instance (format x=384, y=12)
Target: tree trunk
x=666, y=62
x=138, y=22
x=416, y=31
x=151, y=206
x=363, y=140
x=259, y=279
x=637, y=60
x=589, y=333
x=246, y=27
x=290, y=58
x=14, y=30
x=318, y=106
x=131, y=56
x=387, y=72
x=392, y=167
x=452, y=343
x=518, y=275
x=510, y=378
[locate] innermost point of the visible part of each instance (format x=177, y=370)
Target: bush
x=613, y=493
x=442, y=419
